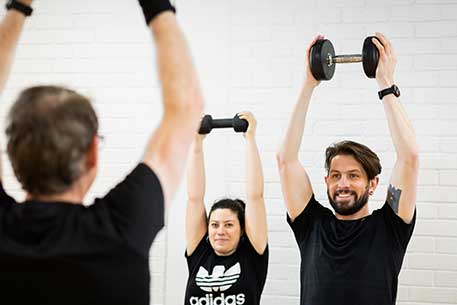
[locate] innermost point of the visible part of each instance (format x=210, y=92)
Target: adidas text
x=208, y=299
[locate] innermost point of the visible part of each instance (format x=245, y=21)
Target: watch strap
x=391, y=90
x=20, y=7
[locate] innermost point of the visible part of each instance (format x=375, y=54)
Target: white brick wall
x=250, y=55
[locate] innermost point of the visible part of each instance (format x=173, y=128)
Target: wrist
x=23, y=7
x=152, y=9
x=388, y=92
x=163, y=24
x=26, y=2
x=307, y=90
x=383, y=84
x=250, y=138
x=310, y=84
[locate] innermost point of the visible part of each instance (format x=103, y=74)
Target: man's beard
x=343, y=209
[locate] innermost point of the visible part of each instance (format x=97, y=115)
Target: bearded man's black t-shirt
x=237, y=279
x=57, y=253
x=350, y=262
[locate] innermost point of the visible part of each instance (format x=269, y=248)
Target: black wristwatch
x=391, y=90
x=20, y=7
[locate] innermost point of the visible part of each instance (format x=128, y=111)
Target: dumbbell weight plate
x=240, y=125
x=318, y=60
x=370, y=57
x=205, y=125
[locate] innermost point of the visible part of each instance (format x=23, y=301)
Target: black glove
x=151, y=8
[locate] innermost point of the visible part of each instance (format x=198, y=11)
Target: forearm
x=196, y=180
x=178, y=78
x=168, y=150
x=255, y=183
x=291, y=144
x=401, y=193
x=401, y=129
x=10, y=30
x=195, y=210
x=255, y=214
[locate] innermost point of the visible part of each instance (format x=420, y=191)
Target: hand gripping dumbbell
x=208, y=123
x=322, y=59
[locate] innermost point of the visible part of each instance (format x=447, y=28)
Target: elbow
x=195, y=108
x=192, y=109
x=282, y=160
x=279, y=159
x=186, y=103
x=410, y=151
x=412, y=157
x=194, y=104
x=187, y=114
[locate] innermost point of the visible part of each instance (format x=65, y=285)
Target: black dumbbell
x=322, y=58
x=208, y=123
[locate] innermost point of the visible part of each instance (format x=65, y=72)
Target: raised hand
x=310, y=80
x=387, y=61
x=252, y=123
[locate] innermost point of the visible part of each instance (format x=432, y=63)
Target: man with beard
x=352, y=256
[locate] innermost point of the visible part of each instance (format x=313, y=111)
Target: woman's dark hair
x=49, y=131
x=365, y=156
x=235, y=205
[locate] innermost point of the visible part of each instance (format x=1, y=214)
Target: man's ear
x=374, y=184
x=92, y=153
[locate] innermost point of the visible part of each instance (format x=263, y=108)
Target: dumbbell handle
x=222, y=123
x=342, y=59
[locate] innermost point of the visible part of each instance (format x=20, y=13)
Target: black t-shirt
x=62, y=253
x=236, y=279
x=353, y=262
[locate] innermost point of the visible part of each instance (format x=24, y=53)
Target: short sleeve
x=260, y=262
x=202, y=247
x=136, y=208
x=400, y=232
x=310, y=214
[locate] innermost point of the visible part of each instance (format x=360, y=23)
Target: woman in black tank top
x=226, y=252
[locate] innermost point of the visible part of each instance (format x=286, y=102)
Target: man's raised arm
x=401, y=194
x=295, y=184
x=167, y=149
x=10, y=30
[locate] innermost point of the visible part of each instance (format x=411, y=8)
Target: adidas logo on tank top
x=218, y=281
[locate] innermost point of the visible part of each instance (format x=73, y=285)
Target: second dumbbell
x=322, y=59
x=208, y=123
